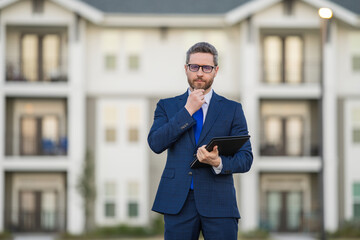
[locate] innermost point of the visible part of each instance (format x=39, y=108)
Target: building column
x=249, y=202
x=329, y=126
x=2, y=156
x=76, y=126
x=2, y=126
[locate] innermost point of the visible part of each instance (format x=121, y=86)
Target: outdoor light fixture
x=325, y=13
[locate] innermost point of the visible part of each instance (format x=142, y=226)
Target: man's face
x=199, y=79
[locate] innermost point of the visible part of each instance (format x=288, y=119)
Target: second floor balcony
x=36, y=127
x=36, y=54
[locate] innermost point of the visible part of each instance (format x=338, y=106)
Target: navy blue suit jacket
x=172, y=130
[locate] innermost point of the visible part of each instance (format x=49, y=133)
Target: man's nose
x=200, y=72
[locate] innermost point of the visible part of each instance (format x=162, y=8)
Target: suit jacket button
x=190, y=173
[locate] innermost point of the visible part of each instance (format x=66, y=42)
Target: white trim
x=242, y=12
x=5, y=3
x=338, y=11
x=88, y=12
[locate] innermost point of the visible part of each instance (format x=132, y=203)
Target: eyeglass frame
x=201, y=66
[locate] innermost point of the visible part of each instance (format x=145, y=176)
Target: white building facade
x=81, y=76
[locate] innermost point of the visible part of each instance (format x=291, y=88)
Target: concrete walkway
x=282, y=236
x=30, y=236
x=292, y=236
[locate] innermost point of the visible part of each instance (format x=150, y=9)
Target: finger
x=215, y=149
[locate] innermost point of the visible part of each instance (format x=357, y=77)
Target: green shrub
x=5, y=236
x=347, y=230
x=255, y=234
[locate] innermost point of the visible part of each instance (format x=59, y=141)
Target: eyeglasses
x=204, y=68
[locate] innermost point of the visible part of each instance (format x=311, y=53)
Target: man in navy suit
x=200, y=199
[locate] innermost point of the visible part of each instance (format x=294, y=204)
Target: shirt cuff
x=218, y=168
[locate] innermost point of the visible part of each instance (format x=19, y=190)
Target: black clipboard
x=227, y=146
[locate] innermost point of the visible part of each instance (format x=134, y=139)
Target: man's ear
x=216, y=70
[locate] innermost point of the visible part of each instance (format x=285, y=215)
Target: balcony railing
x=32, y=221
x=278, y=73
x=15, y=72
x=284, y=221
x=44, y=147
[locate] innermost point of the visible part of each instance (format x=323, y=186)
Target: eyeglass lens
x=205, y=68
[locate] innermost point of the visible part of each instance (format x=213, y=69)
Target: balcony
x=36, y=54
x=36, y=127
x=289, y=128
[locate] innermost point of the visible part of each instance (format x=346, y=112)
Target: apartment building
x=85, y=76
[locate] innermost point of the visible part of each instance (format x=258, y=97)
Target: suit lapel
x=211, y=116
x=181, y=104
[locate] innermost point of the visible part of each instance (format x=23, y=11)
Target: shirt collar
x=207, y=96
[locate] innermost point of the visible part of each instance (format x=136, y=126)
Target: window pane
x=294, y=133
x=133, y=134
x=273, y=59
x=29, y=57
x=29, y=143
x=293, y=59
x=356, y=63
x=357, y=210
x=134, y=62
x=133, y=189
x=50, y=134
x=133, y=209
x=110, y=135
x=110, y=62
x=273, y=136
x=51, y=57
x=356, y=135
x=356, y=190
x=109, y=209
x=274, y=210
x=48, y=216
x=293, y=210
x=110, y=189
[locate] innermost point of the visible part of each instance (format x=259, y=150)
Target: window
x=283, y=59
x=134, y=62
x=133, y=196
x=133, y=209
x=133, y=48
x=356, y=194
x=110, y=189
x=356, y=125
x=110, y=199
x=109, y=209
x=110, y=122
x=356, y=63
x=110, y=62
x=110, y=135
x=40, y=57
x=282, y=135
x=133, y=122
x=40, y=135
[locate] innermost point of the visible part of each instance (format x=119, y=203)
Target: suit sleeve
x=241, y=162
x=166, y=130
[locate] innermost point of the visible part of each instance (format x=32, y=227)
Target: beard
x=204, y=85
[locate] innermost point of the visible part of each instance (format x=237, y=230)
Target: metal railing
x=283, y=221
x=34, y=221
x=15, y=72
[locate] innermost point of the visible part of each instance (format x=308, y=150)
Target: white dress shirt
x=205, y=108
